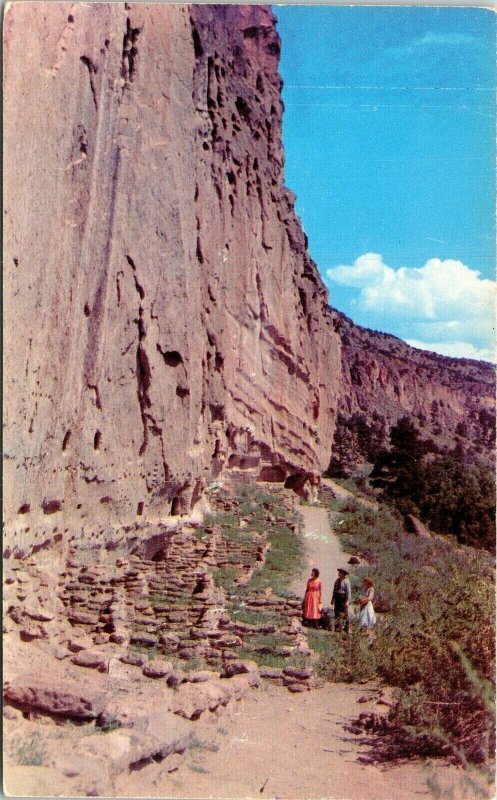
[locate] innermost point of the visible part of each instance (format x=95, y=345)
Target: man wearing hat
x=341, y=597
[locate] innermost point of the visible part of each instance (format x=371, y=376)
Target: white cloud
x=455, y=349
x=445, y=304
x=432, y=39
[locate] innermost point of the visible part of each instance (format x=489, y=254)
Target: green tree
x=399, y=470
x=345, y=454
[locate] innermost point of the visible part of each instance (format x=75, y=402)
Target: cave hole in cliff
x=178, y=505
x=259, y=84
x=139, y=508
x=65, y=441
x=51, y=506
x=70, y=18
x=251, y=32
x=16, y=262
x=231, y=178
x=272, y=474
x=206, y=145
x=273, y=49
x=217, y=412
x=24, y=509
x=171, y=357
x=96, y=440
x=86, y=310
x=243, y=108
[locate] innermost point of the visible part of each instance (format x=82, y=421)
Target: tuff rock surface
x=163, y=321
x=450, y=400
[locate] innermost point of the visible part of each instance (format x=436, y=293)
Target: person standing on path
x=311, y=606
x=340, y=599
x=367, y=617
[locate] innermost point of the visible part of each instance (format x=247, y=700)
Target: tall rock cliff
x=451, y=400
x=163, y=321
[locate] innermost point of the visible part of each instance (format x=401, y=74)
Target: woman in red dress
x=311, y=607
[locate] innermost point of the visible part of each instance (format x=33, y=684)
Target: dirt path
x=271, y=744
x=323, y=550
x=289, y=747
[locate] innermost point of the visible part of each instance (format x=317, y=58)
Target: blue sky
x=389, y=135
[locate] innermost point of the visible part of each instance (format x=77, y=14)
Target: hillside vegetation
x=434, y=640
x=451, y=490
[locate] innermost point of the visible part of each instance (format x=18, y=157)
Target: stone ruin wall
x=163, y=321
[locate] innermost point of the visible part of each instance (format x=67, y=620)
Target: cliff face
x=450, y=400
x=163, y=321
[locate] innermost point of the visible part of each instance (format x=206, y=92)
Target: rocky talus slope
x=163, y=321
x=450, y=400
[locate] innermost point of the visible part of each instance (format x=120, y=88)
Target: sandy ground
x=271, y=744
x=288, y=747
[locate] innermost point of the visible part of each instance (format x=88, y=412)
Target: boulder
x=297, y=672
x=192, y=700
x=133, y=659
x=157, y=669
x=414, y=525
x=239, y=668
x=270, y=672
x=60, y=697
x=119, y=637
x=39, y=614
x=82, y=618
x=76, y=644
x=32, y=631
x=91, y=659
x=144, y=640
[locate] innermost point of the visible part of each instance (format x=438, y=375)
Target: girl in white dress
x=367, y=617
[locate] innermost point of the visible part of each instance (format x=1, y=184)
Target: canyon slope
x=450, y=400
x=163, y=320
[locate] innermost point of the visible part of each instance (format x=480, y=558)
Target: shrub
x=28, y=752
